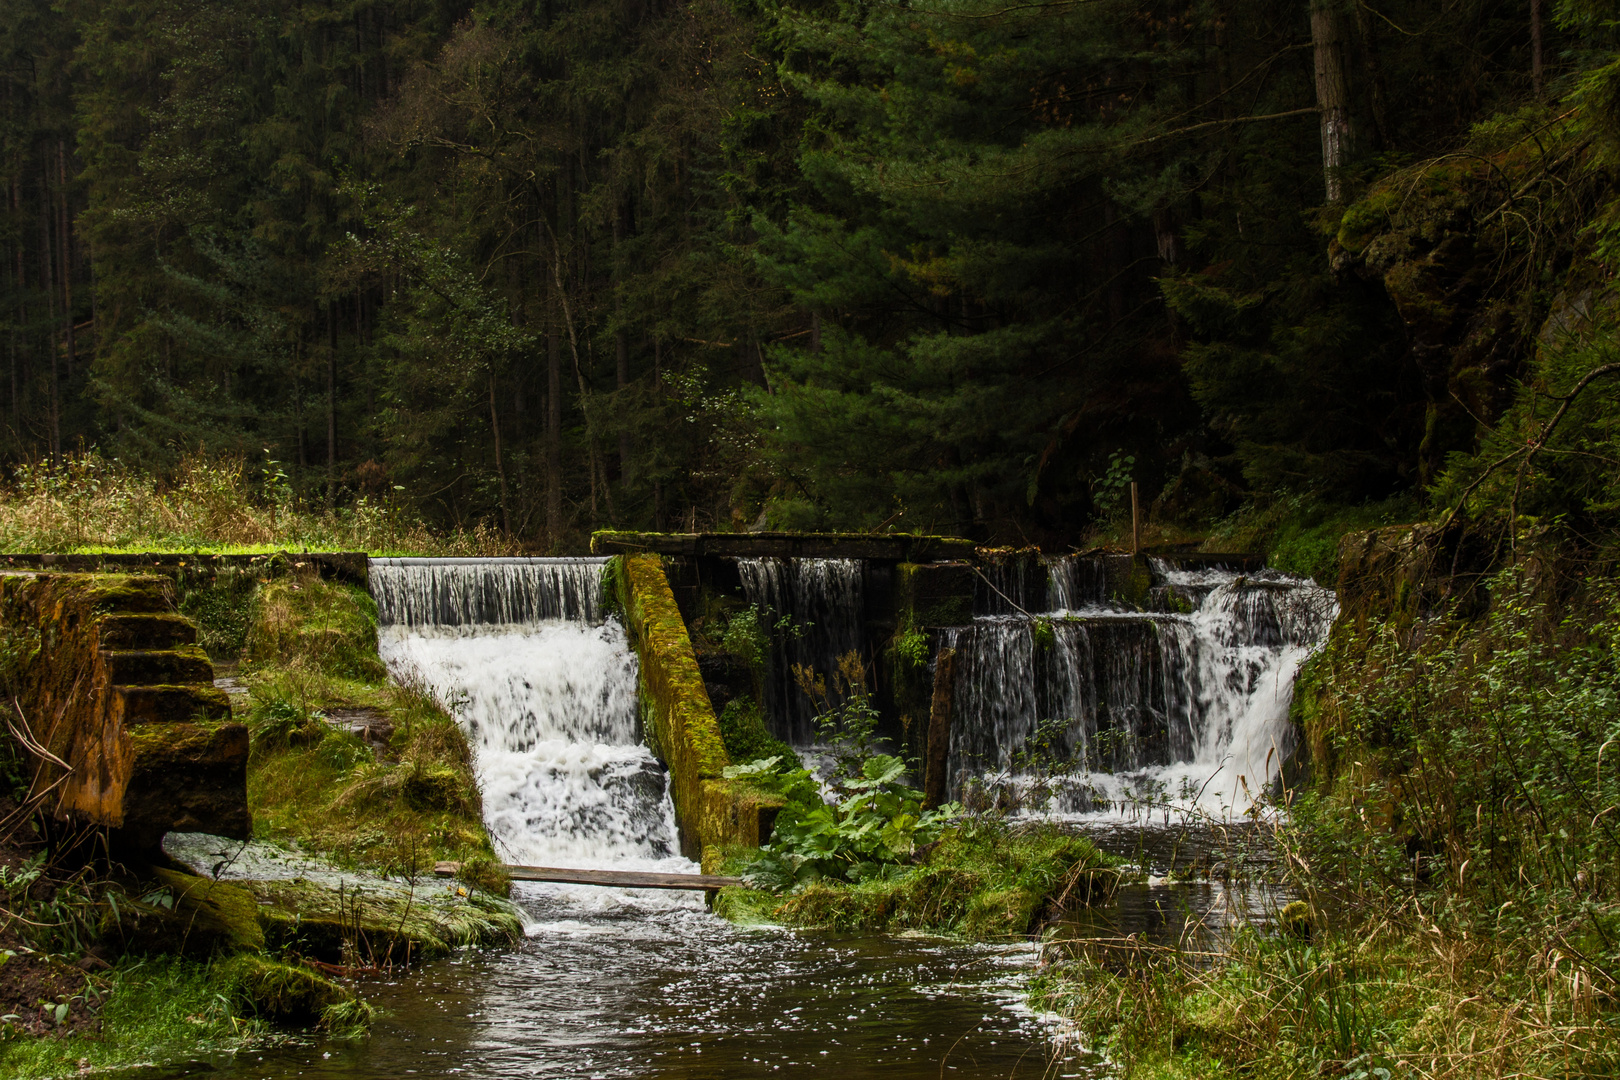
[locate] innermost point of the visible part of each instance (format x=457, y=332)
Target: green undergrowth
x=742, y=728
x=398, y=802
x=154, y=1010
x=1371, y=1001
x=982, y=880
x=1299, y=534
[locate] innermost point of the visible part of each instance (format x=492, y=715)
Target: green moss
x=742, y=727
x=676, y=713
x=316, y=625
x=1301, y=535
x=152, y=1010
x=398, y=808
x=292, y=995
x=223, y=604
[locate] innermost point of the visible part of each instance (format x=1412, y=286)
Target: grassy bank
x=114, y=967
x=345, y=761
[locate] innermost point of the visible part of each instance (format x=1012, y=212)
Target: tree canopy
x=956, y=265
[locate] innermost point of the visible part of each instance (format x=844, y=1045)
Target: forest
x=968, y=268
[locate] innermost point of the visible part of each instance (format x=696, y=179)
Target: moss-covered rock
x=292, y=995
x=183, y=914
x=382, y=924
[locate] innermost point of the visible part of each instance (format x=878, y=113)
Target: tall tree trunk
x=500, y=466
x=622, y=223
x=1368, y=32
x=1535, y=47
x=1332, y=95
x=553, y=436
x=331, y=403
x=658, y=388
x=298, y=403
x=621, y=355
x=64, y=235
x=592, y=449
x=46, y=258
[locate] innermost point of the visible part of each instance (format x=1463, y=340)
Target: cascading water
x=814, y=609
x=1106, y=710
x=545, y=688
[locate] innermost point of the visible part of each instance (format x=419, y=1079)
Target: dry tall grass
x=92, y=503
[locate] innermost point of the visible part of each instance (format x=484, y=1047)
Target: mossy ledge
x=679, y=719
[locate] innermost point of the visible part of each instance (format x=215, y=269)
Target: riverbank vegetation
x=92, y=503
x=1453, y=846
x=345, y=761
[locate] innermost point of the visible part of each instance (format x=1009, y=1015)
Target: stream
x=637, y=983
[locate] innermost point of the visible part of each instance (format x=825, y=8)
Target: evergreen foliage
x=802, y=262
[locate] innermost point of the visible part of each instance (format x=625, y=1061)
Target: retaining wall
x=678, y=720
x=108, y=678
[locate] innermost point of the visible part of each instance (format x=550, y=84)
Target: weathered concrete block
x=150, y=631
x=679, y=719
x=187, y=777
x=169, y=704
x=151, y=667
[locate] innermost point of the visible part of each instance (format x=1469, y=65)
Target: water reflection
x=638, y=986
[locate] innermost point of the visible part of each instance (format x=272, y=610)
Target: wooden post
x=1136, y=522
x=939, y=730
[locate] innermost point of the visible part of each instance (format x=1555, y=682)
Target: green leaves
x=871, y=833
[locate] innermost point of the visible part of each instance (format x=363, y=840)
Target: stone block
x=161, y=704
x=147, y=631
x=188, y=777
x=152, y=667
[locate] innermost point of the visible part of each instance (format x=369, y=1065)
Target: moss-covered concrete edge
x=678, y=719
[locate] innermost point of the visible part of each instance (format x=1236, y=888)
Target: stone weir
x=118, y=705
x=892, y=601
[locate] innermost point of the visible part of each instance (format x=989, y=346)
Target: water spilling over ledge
x=486, y=592
x=545, y=687
x=1125, y=711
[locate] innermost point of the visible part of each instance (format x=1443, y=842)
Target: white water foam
x=549, y=706
x=1173, y=714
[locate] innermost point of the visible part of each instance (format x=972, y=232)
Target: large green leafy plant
x=867, y=822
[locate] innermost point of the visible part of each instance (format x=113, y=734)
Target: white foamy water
x=1172, y=713
x=549, y=706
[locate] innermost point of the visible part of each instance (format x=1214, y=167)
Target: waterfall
x=1131, y=710
x=545, y=687
x=814, y=610
x=483, y=592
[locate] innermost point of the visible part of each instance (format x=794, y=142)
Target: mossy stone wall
x=110, y=681
x=677, y=718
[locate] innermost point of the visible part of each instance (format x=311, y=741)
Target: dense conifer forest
x=963, y=267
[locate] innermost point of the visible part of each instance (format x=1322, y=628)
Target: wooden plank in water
x=622, y=879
